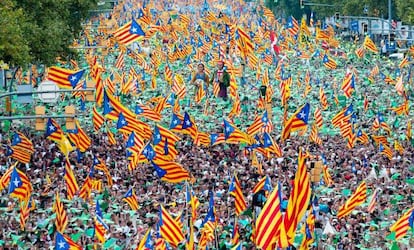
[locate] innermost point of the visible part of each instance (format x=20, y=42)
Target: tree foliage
x=400, y=9
x=405, y=10
x=40, y=30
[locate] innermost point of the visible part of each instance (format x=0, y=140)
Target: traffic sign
x=48, y=97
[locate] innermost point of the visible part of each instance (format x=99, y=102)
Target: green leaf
x=90, y=232
x=75, y=237
x=391, y=236
x=394, y=246
x=109, y=243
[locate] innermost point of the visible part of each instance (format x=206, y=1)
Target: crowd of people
x=212, y=167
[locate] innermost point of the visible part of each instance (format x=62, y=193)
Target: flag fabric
x=168, y=74
x=86, y=189
x=148, y=113
x=178, y=87
x=382, y=123
x=193, y=201
x=323, y=99
x=403, y=109
x=235, y=236
x=359, y=52
x=356, y=199
x=400, y=227
x=348, y=85
x=318, y=117
x=373, y=202
x=97, y=119
x=63, y=242
x=343, y=115
x=297, y=204
x=404, y=62
x=386, y=151
x=169, y=228
x=270, y=146
x=129, y=33
x=263, y=184
x=170, y=171
x=61, y=217
x=131, y=199
x=146, y=242
x=232, y=134
x=5, y=179
x=314, y=135
x=236, y=191
x=216, y=139
x=258, y=124
x=328, y=62
x=189, y=126
x=100, y=225
x=64, y=78
x=209, y=223
x=24, y=214
x=19, y=185
x=21, y=142
x=270, y=220
x=370, y=45
x=292, y=26
x=399, y=86
x=70, y=179
x=19, y=155
x=362, y=137
x=299, y=121
x=79, y=138
x=53, y=131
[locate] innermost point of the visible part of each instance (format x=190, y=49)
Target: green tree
x=285, y=8
x=14, y=48
x=400, y=9
x=46, y=27
x=405, y=11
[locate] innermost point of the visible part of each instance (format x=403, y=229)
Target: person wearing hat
x=222, y=77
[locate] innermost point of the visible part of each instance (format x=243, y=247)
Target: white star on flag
x=16, y=182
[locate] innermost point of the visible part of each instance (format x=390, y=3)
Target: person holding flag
x=222, y=78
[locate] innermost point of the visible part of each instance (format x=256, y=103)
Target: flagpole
x=186, y=207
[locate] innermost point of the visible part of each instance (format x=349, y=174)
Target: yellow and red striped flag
x=24, y=214
x=61, y=218
x=270, y=220
x=399, y=86
x=169, y=228
x=373, y=202
x=370, y=45
x=64, y=78
x=131, y=199
x=129, y=33
x=403, y=109
x=298, y=203
x=70, y=179
x=400, y=227
x=323, y=99
x=360, y=52
x=356, y=199
x=318, y=117
x=314, y=135
x=97, y=119
x=236, y=191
